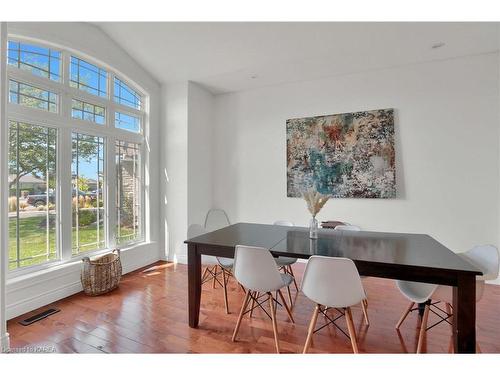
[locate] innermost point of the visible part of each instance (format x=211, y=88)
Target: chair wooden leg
x=204, y=274
x=255, y=296
x=448, y=308
x=289, y=295
x=352, y=331
x=423, y=329
x=451, y=347
x=290, y=271
x=238, y=322
x=275, y=325
x=215, y=276
x=365, y=312
x=224, y=285
x=478, y=348
x=286, y=306
x=310, y=331
x=405, y=314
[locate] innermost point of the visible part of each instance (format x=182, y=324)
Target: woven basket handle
x=86, y=260
x=117, y=251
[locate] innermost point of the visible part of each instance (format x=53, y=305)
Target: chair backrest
x=284, y=223
x=195, y=230
x=486, y=258
x=216, y=219
x=332, y=282
x=255, y=269
x=353, y=228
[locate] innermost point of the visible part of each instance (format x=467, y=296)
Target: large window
x=43, y=62
x=87, y=174
x=127, y=122
x=75, y=164
x=88, y=112
x=32, y=194
x=128, y=191
x=88, y=77
x=125, y=95
x=31, y=96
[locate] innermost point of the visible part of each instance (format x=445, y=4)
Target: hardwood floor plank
x=148, y=314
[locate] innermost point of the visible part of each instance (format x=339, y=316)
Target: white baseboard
x=33, y=302
x=494, y=282
x=38, y=291
x=180, y=258
x=4, y=343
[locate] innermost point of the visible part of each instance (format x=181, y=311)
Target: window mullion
x=110, y=180
x=64, y=195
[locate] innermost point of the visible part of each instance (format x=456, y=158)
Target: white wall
x=186, y=162
x=174, y=172
x=200, y=130
x=446, y=149
x=28, y=292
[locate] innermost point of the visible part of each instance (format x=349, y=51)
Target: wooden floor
x=148, y=314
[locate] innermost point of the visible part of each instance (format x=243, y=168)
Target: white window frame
x=66, y=125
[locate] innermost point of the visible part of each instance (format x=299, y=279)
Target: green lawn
x=33, y=240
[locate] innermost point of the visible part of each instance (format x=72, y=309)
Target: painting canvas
x=347, y=155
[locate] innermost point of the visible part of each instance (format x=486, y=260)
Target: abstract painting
x=348, y=155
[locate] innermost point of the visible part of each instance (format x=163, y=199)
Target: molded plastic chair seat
x=285, y=261
x=486, y=258
x=255, y=269
x=212, y=265
x=287, y=279
x=216, y=218
x=348, y=227
x=226, y=262
x=416, y=292
x=332, y=282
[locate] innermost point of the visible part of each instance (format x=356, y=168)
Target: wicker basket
x=101, y=274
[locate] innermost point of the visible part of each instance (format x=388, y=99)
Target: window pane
x=88, y=77
x=33, y=97
x=128, y=192
x=40, y=61
x=86, y=111
x=127, y=122
x=87, y=192
x=125, y=95
x=32, y=195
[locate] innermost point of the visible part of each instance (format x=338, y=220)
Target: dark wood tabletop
x=404, y=256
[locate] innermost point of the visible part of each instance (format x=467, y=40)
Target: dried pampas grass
x=315, y=201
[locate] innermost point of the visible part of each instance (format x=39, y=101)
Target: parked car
x=90, y=194
x=38, y=200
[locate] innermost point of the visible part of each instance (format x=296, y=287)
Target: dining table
x=398, y=256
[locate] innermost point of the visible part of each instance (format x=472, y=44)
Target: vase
x=313, y=228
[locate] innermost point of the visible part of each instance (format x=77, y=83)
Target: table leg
x=194, y=284
x=421, y=309
x=464, y=314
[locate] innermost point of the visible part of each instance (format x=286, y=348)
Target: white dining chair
x=285, y=263
x=348, y=227
x=485, y=257
x=355, y=228
x=217, y=269
x=332, y=283
x=216, y=218
x=255, y=269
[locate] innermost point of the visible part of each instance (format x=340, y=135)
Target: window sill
x=17, y=276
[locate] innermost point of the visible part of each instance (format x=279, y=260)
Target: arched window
x=75, y=143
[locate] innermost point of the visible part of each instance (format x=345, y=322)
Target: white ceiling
x=226, y=57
